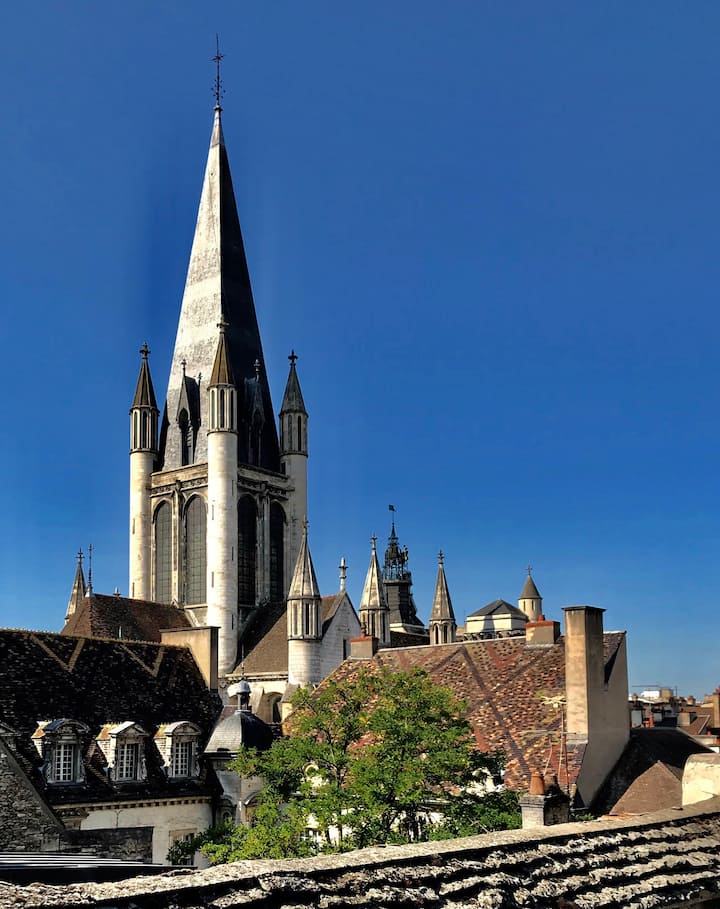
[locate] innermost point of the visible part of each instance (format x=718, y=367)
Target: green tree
x=383, y=757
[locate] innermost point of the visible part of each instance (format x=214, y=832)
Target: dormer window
x=178, y=745
x=60, y=744
x=123, y=745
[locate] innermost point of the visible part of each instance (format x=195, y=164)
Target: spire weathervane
x=218, y=90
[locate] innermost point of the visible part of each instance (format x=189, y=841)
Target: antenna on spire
x=218, y=90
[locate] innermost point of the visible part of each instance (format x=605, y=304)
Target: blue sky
x=489, y=230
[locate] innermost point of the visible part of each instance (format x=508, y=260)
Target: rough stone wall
x=131, y=844
x=661, y=860
x=26, y=822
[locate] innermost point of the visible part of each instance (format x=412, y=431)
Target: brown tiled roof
x=649, y=772
x=265, y=642
x=507, y=687
x=102, y=616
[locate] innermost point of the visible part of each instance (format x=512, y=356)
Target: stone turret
x=443, y=626
x=143, y=453
x=374, y=612
x=304, y=612
x=530, y=601
x=222, y=516
x=293, y=419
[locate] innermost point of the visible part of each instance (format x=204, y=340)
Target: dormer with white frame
x=60, y=743
x=178, y=747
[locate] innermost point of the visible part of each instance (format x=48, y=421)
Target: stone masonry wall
x=659, y=860
x=27, y=823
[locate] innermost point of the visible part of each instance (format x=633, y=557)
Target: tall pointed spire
x=144, y=391
x=442, y=616
x=292, y=399
x=374, y=612
x=79, y=588
x=304, y=582
x=218, y=289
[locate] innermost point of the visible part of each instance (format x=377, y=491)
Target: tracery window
x=277, y=552
x=163, y=554
x=247, y=550
x=195, y=552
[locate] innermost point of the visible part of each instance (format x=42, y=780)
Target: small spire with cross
x=218, y=90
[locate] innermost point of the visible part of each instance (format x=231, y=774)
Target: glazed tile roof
x=508, y=688
x=50, y=676
x=102, y=616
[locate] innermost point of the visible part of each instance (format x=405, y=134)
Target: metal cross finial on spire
x=80, y=557
x=218, y=90
x=256, y=364
x=183, y=363
x=529, y=569
x=292, y=357
x=145, y=350
x=441, y=558
x=223, y=324
x=373, y=541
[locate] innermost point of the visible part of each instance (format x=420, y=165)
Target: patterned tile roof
x=102, y=616
x=508, y=688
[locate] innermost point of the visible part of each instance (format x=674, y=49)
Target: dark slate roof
x=265, y=642
x=292, y=401
x=241, y=727
x=498, y=607
x=222, y=373
x=144, y=391
x=408, y=638
x=506, y=686
x=530, y=591
x=102, y=616
x=50, y=676
x=648, y=774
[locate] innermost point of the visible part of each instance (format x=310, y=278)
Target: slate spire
x=443, y=626
x=304, y=583
x=374, y=612
x=79, y=588
x=217, y=289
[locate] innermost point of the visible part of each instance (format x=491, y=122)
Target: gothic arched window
x=163, y=554
x=195, y=551
x=247, y=550
x=277, y=552
x=185, y=438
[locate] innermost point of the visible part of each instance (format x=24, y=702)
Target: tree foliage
x=385, y=757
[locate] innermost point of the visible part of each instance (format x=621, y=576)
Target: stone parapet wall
x=659, y=860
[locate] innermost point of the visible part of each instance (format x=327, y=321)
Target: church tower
x=304, y=615
x=397, y=579
x=294, y=450
x=143, y=452
x=222, y=578
x=374, y=612
x=530, y=601
x=212, y=505
x=443, y=626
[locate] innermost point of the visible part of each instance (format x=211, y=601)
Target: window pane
x=182, y=759
x=163, y=554
x=247, y=546
x=126, y=761
x=195, y=558
x=277, y=552
x=65, y=763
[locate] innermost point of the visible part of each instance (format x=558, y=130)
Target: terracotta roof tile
x=115, y=617
x=507, y=687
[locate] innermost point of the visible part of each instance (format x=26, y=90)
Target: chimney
x=584, y=669
x=542, y=633
x=544, y=805
x=363, y=647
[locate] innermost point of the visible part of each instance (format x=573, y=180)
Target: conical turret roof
x=222, y=373
x=304, y=583
x=373, y=595
x=79, y=588
x=530, y=591
x=217, y=289
x=144, y=391
x=292, y=399
x=442, y=609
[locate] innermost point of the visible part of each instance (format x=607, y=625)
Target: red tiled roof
x=114, y=617
x=508, y=689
